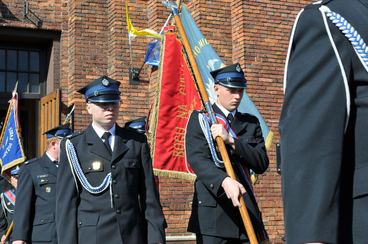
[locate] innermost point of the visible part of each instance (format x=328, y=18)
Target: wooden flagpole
x=9, y=230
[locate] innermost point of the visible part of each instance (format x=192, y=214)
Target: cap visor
x=113, y=98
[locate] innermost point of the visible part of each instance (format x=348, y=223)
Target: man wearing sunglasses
x=106, y=192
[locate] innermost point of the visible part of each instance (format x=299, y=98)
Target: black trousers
x=204, y=239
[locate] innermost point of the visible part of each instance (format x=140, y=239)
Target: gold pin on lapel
x=96, y=166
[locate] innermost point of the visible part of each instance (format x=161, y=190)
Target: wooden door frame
x=49, y=117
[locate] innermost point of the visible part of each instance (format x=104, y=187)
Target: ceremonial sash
x=222, y=120
x=10, y=196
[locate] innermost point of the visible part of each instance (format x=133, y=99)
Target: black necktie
x=105, y=137
x=230, y=118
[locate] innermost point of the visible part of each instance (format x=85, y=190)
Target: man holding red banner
x=215, y=216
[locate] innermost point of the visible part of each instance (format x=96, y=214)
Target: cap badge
x=105, y=82
x=238, y=68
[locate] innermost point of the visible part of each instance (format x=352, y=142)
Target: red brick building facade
x=78, y=40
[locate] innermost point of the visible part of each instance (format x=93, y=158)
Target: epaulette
x=317, y=4
x=73, y=135
x=130, y=133
x=323, y=2
x=249, y=117
x=30, y=161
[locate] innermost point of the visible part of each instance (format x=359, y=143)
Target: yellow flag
x=133, y=31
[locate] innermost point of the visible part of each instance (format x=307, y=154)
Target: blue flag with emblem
x=11, y=149
x=153, y=53
x=207, y=61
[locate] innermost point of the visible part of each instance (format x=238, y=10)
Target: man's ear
x=216, y=88
x=53, y=143
x=88, y=107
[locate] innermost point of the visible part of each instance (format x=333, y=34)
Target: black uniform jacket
x=136, y=215
x=34, y=216
x=6, y=211
x=212, y=212
x=324, y=165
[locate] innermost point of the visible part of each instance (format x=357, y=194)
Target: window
x=22, y=65
x=25, y=56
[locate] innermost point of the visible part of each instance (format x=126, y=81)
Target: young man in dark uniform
x=105, y=190
x=323, y=125
x=34, y=216
x=215, y=215
x=7, y=199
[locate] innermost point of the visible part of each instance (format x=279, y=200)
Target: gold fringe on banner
x=268, y=141
x=174, y=174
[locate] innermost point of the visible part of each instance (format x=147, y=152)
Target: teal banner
x=207, y=61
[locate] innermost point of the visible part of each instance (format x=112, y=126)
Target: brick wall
x=94, y=41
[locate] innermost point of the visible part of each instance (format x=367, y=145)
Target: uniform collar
x=224, y=110
x=50, y=157
x=99, y=131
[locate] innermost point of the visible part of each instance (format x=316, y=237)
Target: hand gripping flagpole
x=220, y=142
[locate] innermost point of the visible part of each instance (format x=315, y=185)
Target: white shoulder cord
x=78, y=173
x=323, y=10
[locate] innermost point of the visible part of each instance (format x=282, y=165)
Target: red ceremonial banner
x=178, y=98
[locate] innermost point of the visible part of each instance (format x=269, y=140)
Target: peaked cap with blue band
x=102, y=90
x=137, y=125
x=231, y=76
x=59, y=131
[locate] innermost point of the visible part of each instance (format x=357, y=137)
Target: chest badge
x=96, y=166
x=48, y=189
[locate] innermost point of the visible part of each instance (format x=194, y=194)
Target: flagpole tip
x=15, y=89
x=134, y=75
